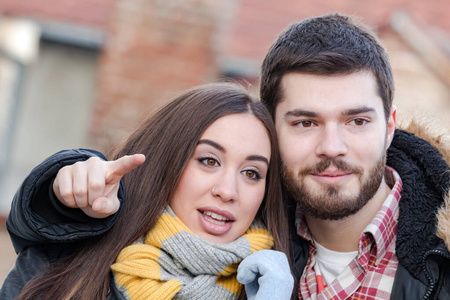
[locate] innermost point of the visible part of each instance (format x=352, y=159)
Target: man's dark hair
x=326, y=45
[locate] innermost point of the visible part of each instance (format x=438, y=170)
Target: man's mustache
x=326, y=162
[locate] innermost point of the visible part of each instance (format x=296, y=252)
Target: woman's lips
x=215, y=221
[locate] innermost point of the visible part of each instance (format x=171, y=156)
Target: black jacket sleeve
x=36, y=216
x=28, y=264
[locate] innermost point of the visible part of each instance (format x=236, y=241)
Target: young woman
x=205, y=197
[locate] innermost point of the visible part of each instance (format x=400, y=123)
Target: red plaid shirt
x=370, y=275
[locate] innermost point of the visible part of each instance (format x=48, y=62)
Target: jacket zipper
x=432, y=285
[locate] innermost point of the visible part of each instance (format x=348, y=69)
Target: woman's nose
x=226, y=188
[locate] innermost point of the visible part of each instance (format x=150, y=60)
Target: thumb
x=247, y=275
x=248, y=270
x=123, y=165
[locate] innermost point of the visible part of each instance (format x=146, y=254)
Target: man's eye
x=305, y=124
x=359, y=122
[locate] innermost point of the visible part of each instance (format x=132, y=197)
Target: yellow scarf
x=173, y=261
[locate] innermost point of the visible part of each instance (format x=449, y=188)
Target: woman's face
x=224, y=181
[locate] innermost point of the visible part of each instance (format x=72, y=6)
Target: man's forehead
x=360, y=84
x=315, y=93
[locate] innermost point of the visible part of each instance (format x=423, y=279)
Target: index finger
x=123, y=165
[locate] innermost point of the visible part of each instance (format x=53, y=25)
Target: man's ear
x=391, y=123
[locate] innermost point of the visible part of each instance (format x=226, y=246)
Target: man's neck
x=343, y=235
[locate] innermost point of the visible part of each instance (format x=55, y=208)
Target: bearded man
x=363, y=194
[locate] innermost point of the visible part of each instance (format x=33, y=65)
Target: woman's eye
x=210, y=162
x=252, y=174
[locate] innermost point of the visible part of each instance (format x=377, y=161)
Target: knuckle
x=94, y=160
x=64, y=170
x=96, y=185
x=67, y=199
x=66, y=194
x=80, y=192
x=78, y=164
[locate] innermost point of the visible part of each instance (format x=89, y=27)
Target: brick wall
x=156, y=48
x=258, y=23
x=419, y=88
x=85, y=12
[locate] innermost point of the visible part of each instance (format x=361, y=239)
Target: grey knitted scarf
x=170, y=262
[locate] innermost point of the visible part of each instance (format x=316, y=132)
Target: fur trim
x=439, y=138
x=427, y=129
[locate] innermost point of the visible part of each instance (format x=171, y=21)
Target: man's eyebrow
x=311, y=114
x=300, y=113
x=213, y=144
x=258, y=158
x=358, y=110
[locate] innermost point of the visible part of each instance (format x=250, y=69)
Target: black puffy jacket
x=42, y=230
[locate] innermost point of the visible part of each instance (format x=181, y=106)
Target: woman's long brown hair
x=168, y=140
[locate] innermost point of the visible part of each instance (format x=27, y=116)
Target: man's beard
x=329, y=202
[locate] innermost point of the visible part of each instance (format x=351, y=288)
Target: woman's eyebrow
x=222, y=149
x=213, y=144
x=258, y=158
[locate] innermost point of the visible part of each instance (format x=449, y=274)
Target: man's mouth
x=332, y=173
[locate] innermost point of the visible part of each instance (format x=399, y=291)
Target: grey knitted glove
x=266, y=275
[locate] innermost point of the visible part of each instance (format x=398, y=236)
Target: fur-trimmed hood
x=439, y=138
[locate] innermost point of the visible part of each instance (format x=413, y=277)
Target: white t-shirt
x=329, y=264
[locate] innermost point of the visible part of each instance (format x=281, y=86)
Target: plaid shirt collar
x=383, y=227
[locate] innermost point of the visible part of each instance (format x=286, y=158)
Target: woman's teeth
x=215, y=218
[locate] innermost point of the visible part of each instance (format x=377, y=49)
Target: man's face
x=333, y=139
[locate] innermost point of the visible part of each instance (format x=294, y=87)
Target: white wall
x=55, y=109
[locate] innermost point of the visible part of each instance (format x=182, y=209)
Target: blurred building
x=100, y=66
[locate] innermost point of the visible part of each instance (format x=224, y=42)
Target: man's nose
x=331, y=142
